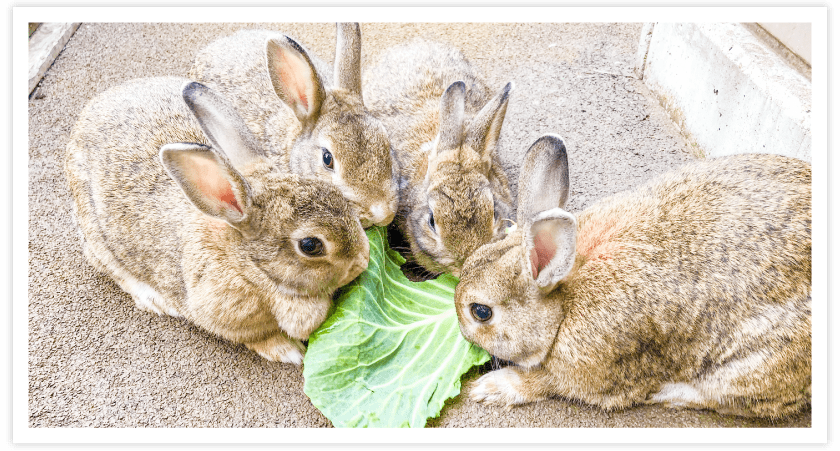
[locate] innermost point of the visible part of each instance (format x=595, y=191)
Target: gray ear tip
x=507, y=89
x=297, y=47
x=192, y=89
x=553, y=142
x=352, y=26
x=504, y=95
x=456, y=86
x=190, y=85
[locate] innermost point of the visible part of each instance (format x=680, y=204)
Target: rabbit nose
x=381, y=215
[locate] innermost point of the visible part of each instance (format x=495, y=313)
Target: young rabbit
x=693, y=290
x=444, y=127
x=306, y=126
x=177, y=203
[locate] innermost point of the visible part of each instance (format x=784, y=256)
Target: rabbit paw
x=499, y=387
x=279, y=348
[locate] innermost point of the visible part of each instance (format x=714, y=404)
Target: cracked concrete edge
x=727, y=91
x=44, y=46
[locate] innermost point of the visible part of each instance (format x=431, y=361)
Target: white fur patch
x=678, y=394
x=445, y=261
x=428, y=146
x=737, y=368
x=531, y=362
x=377, y=211
x=498, y=387
x=145, y=297
x=294, y=357
x=148, y=299
x=768, y=317
x=279, y=349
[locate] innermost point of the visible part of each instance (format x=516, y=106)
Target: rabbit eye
x=311, y=246
x=481, y=312
x=432, y=221
x=327, y=158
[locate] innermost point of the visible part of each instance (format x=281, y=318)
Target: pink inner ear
x=534, y=263
x=542, y=253
x=211, y=181
x=226, y=196
x=292, y=73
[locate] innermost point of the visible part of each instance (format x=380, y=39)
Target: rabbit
x=692, y=290
x=444, y=127
x=305, y=125
x=178, y=204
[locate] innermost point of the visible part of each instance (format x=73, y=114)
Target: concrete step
x=45, y=43
x=726, y=89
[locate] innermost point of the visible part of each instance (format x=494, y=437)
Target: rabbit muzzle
x=356, y=267
x=378, y=215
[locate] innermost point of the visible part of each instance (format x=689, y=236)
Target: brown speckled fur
x=237, y=67
x=693, y=290
x=247, y=285
x=466, y=184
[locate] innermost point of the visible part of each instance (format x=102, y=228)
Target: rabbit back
x=708, y=272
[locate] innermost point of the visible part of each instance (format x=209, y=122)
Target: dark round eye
x=327, y=157
x=311, y=246
x=481, y=312
x=432, y=221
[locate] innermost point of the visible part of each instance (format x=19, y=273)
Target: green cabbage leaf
x=392, y=352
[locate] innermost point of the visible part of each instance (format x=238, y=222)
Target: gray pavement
x=97, y=361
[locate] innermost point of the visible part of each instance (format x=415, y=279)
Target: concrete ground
x=97, y=361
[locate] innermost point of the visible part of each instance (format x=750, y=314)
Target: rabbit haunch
x=692, y=290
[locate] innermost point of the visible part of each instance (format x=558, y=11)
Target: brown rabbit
x=307, y=126
x=692, y=290
x=178, y=204
x=444, y=127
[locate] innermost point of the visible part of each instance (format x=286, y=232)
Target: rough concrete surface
x=97, y=361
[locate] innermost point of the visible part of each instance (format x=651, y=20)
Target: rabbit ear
x=485, y=128
x=209, y=181
x=544, y=178
x=221, y=124
x=295, y=79
x=550, y=245
x=452, y=116
x=348, y=57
